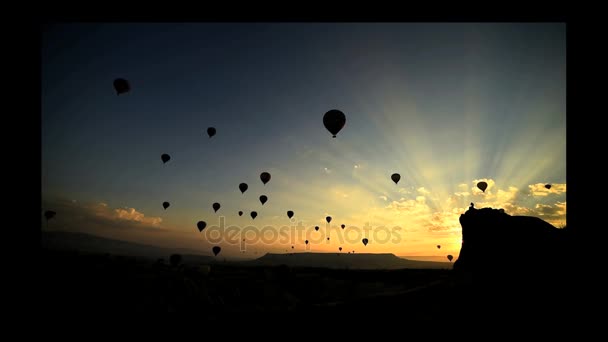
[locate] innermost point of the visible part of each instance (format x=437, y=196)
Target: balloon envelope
x=450, y=257
x=317, y=228
x=216, y=250
x=263, y=199
x=216, y=207
x=306, y=242
x=243, y=187
x=211, y=131
x=265, y=177
x=121, y=86
x=49, y=214
x=334, y=120
x=254, y=215
x=482, y=186
x=365, y=241
x=343, y=226
x=548, y=186
x=328, y=219
x=166, y=205
x=201, y=225
x=438, y=246
x=165, y=158
x=340, y=249
x=240, y=213
x=289, y=213
x=396, y=177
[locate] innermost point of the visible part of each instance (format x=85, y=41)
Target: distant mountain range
x=346, y=261
x=82, y=242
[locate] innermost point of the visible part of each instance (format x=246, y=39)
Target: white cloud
x=383, y=198
x=423, y=191
x=539, y=189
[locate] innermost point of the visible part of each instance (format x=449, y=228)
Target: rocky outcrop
x=494, y=242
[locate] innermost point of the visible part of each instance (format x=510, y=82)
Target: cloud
x=539, y=189
x=463, y=186
x=383, y=198
x=78, y=216
x=130, y=214
x=423, y=191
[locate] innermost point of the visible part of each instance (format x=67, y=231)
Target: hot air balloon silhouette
x=265, y=177
x=340, y=249
x=291, y=247
x=49, y=214
x=548, y=186
x=328, y=219
x=166, y=205
x=263, y=199
x=121, y=86
x=306, y=242
x=317, y=228
x=240, y=213
x=482, y=186
x=165, y=158
x=243, y=187
x=438, y=246
x=334, y=120
x=216, y=250
x=254, y=215
x=328, y=239
x=201, y=225
x=211, y=131
x=450, y=257
x=289, y=213
x=364, y=242
x=343, y=226
x=216, y=206
x=396, y=177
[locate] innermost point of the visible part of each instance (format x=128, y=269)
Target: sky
x=444, y=105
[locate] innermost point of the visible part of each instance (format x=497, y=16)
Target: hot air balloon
x=343, y=226
x=328, y=219
x=121, y=86
x=327, y=239
x=289, y=213
x=306, y=242
x=165, y=158
x=211, y=131
x=254, y=215
x=340, y=249
x=438, y=246
x=265, y=177
x=166, y=205
x=396, y=177
x=317, y=228
x=548, y=186
x=201, y=225
x=240, y=213
x=482, y=186
x=364, y=241
x=243, y=187
x=450, y=257
x=216, y=250
x=291, y=247
x=334, y=120
x=216, y=207
x=263, y=199
x=49, y=214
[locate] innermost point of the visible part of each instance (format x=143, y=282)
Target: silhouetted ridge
x=345, y=260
